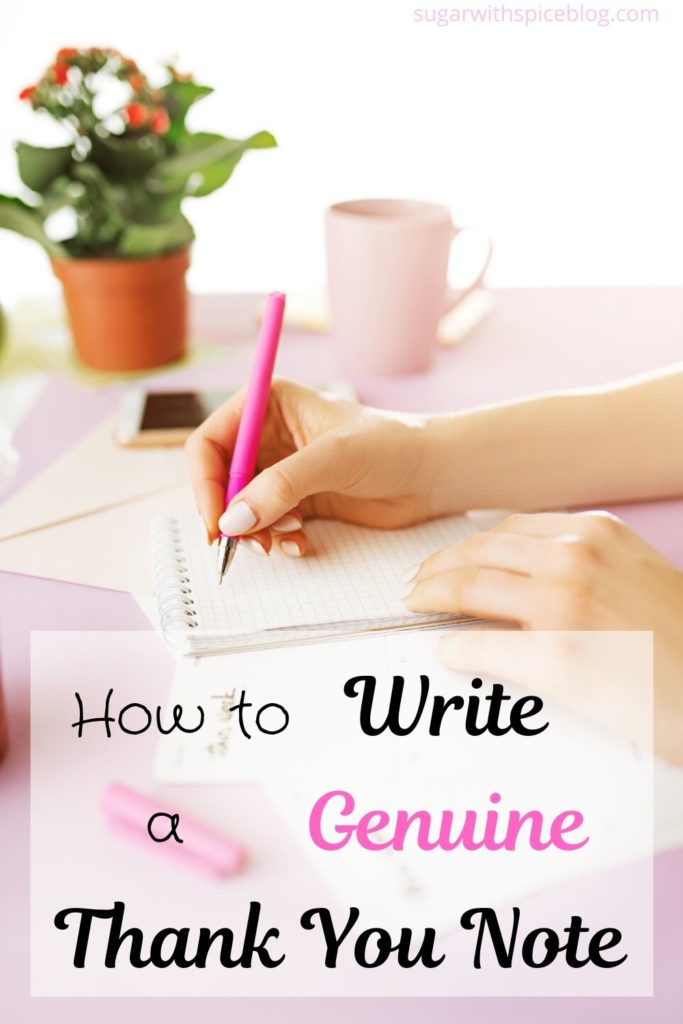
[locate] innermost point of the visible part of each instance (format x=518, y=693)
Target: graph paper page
x=352, y=575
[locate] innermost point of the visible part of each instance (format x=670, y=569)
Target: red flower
x=136, y=114
x=27, y=93
x=159, y=122
x=60, y=73
x=66, y=52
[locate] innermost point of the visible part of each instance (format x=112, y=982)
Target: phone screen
x=175, y=410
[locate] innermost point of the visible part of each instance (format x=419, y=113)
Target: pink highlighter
x=129, y=812
x=245, y=452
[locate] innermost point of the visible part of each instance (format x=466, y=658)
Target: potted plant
x=124, y=173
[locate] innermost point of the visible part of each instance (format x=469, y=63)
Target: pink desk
x=535, y=340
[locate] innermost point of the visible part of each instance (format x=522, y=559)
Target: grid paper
x=349, y=582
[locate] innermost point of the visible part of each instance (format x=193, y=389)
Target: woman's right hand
x=319, y=456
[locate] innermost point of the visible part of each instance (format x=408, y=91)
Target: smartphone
x=158, y=418
x=155, y=418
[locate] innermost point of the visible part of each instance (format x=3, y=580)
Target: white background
x=563, y=141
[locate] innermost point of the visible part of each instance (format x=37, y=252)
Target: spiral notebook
x=349, y=585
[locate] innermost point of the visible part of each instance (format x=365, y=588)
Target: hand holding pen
x=320, y=456
x=248, y=440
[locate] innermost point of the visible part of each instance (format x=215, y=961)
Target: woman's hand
x=586, y=571
x=319, y=456
x=554, y=571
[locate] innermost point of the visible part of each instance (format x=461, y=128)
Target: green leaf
x=120, y=220
x=127, y=155
x=204, y=162
x=179, y=97
x=100, y=221
x=39, y=166
x=90, y=174
x=214, y=175
x=61, y=192
x=138, y=204
x=26, y=220
x=140, y=240
x=99, y=189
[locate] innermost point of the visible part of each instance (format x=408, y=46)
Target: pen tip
x=226, y=552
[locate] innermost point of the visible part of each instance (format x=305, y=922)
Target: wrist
x=510, y=455
x=470, y=456
x=442, y=458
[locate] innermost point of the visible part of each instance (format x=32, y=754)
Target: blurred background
x=562, y=141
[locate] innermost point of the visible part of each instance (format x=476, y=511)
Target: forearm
x=618, y=443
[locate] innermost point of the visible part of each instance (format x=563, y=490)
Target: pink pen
x=245, y=452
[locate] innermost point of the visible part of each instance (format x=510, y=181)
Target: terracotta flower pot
x=126, y=314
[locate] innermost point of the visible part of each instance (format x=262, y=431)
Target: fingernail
x=412, y=573
x=286, y=524
x=237, y=519
x=253, y=545
x=290, y=548
x=406, y=591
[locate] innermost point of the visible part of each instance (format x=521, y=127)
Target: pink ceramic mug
x=387, y=273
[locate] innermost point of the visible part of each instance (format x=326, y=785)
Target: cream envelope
x=104, y=549
x=94, y=475
x=86, y=518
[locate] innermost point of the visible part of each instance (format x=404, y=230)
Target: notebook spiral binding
x=177, y=608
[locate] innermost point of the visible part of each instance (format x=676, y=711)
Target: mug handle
x=455, y=297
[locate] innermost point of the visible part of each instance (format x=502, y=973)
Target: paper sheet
x=107, y=549
x=86, y=518
x=352, y=578
x=94, y=475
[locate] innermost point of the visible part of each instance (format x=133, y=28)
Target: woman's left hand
x=561, y=571
x=553, y=571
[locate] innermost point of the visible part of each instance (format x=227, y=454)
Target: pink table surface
x=535, y=340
